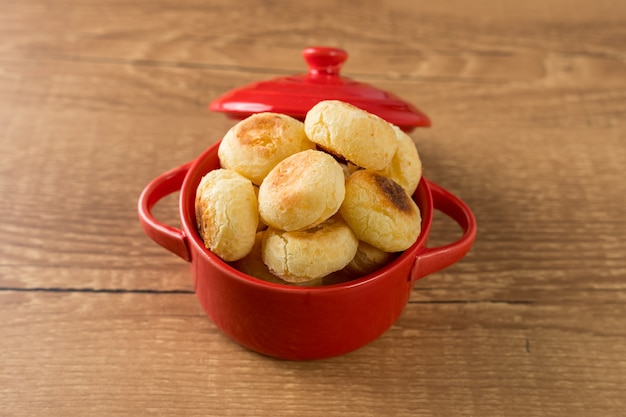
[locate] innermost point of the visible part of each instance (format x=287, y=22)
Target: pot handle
x=434, y=259
x=171, y=238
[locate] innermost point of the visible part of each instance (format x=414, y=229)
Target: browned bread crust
x=311, y=254
x=226, y=213
x=302, y=191
x=405, y=167
x=256, y=144
x=351, y=133
x=380, y=212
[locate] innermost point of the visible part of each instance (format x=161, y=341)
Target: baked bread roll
x=252, y=264
x=405, y=167
x=367, y=260
x=302, y=191
x=351, y=133
x=256, y=144
x=380, y=212
x=226, y=213
x=311, y=254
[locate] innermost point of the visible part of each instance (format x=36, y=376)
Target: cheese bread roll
x=380, y=212
x=405, y=167
x=368, y=259
x=256, y=144
x=311, y=254
x=252, y=264
x=351, y=133
x=226, y=213
x=302, y=191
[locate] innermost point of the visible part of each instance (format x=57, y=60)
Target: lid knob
x=324, y=60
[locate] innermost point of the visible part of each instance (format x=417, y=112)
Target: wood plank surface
x=138, y=354
x=528, y=102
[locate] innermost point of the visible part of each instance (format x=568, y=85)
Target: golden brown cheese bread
x=405, y=167
x=253, y=146
x=380, y=212
x=368, y=259
x=252, y=264
x=227, y=213
x=351, y=133
x=311, y=254
x=302, y=191
x=319, y=202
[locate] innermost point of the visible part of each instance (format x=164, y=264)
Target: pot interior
x=209, y=161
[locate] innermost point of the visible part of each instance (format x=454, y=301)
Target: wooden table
x=528, y=102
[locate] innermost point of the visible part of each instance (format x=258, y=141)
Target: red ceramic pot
x=291, y=322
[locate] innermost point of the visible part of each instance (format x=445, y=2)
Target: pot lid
x=295, y=95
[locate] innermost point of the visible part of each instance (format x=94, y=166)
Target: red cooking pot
x=292, y=322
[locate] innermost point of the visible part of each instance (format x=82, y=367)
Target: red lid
x=295, y=95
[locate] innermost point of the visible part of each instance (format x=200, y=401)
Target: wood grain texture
x=137, y=354
x=528, y=101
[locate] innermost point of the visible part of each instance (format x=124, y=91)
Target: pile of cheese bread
x=313, y=202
